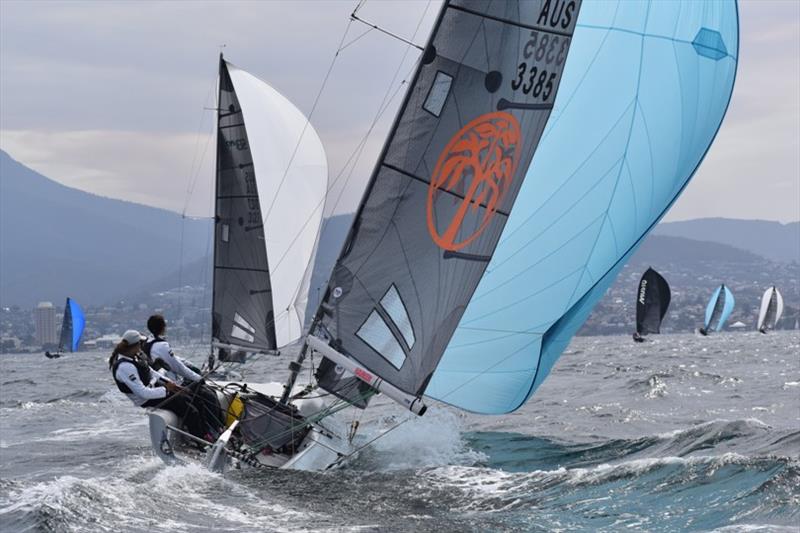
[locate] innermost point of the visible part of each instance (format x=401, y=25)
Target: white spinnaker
x=765, y=301
x=779, y=310
x=762, y=313
x=292, y=177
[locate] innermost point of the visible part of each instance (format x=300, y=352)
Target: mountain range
x=57, y=241
x=772, y=240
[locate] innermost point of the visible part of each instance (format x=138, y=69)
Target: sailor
x=164, y=360
x=161, y=355
x=146, y=388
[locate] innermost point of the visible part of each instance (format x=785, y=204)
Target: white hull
x=325, y=446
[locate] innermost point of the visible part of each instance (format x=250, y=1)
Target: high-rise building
x=45, y=318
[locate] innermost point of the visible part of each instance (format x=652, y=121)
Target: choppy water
x=685, y=433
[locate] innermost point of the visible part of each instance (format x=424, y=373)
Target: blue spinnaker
x=719, y=308
x=72, y=326
x=645, y=89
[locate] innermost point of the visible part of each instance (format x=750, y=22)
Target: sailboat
x=771, y=309
x=71, y=329
x=270, y=183
x=441, y=289
x=719, y=308
x=652, y=302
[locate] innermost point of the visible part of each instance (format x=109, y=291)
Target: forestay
x=270, y=189
x=652, y=301
x=645, y=89
x=443, y=187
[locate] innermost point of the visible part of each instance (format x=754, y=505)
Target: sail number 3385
x=542, y=56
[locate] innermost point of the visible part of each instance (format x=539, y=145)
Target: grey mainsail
x=442, y=189
x=242, y=314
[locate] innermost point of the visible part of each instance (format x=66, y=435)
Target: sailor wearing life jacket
x=161, y=355
x=145, y=387
x=165, y=361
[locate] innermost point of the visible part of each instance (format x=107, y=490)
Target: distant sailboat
x=270, y=183
x=652, y=302
x=719, y=308
x=771, y=310
x=71, y=329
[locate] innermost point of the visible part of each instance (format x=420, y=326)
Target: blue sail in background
x=645, y=89
x=719, y=308
x=72, y=326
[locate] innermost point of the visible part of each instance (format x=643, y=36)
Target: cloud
x=753, y=168
x=137, y=166
x=108, y=96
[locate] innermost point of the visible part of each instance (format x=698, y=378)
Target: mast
x=211, y=356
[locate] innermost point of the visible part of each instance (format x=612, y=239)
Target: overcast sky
x=109, y=97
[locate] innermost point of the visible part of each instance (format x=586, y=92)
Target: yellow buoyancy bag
x=235, y=410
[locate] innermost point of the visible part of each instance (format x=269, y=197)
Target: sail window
x=396, y=309
x=379, y=337
x=239, y=333
x=226, y=230
x=438, y=93
x=242, y=329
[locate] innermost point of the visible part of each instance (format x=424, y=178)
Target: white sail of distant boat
x=771, y=310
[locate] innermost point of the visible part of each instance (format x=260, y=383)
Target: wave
x=665, y=493
x=75, y=398
x=519, y=452
x=433, y=440
x=128, y=501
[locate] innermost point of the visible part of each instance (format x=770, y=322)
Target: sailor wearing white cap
x=147, y=388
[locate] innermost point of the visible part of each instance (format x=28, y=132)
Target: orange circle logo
x=478, y=166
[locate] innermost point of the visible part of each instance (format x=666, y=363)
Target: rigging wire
x=355, y=155
x=387, y=32
x=308, y=118
x=194, y=174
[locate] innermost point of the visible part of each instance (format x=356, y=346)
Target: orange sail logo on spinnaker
x=477, y=166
